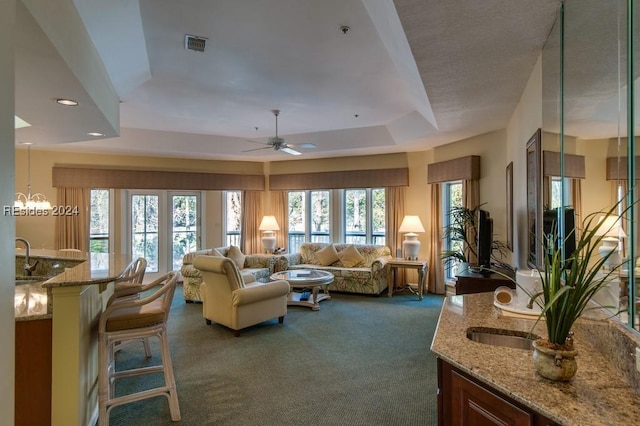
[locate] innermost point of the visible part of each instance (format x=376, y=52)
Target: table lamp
x=611, y=229
x=411, y=225
x=268, y=226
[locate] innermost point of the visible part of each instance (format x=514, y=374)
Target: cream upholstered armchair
x=234, y=302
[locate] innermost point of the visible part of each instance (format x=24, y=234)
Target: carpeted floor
x=360, y=360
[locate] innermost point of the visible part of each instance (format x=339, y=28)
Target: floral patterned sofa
x=366, y=274
x=257, y=265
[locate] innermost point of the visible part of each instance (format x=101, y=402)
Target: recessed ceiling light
x=96, y=134
x=67, y=102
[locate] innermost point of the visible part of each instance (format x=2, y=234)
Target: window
x=451, y=198
x=557, y=199
x=364, y=216
x=233, y=217
x=99, y=223
x=309, y=218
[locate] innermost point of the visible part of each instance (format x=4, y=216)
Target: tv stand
x=468, y=281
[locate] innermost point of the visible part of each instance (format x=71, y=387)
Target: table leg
x=421, y=282
x=314, y=292
x=391, y=281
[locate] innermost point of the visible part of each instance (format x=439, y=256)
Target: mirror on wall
x=585, y=105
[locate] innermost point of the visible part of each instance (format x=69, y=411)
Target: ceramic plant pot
x=554, y=364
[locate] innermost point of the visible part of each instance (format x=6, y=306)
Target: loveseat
x=357, y=268
x=257, y=265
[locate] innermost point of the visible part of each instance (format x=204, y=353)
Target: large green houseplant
x=569, y=282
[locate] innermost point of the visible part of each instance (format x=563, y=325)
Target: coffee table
x=313, y=279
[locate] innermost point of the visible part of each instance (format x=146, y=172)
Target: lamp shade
x=269, y=223
x=610, y=226
x=411, y=224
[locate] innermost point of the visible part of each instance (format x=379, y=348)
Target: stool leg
x=104, y=393
x=169, y=378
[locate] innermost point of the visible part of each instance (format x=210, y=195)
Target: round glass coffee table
x=312, y=279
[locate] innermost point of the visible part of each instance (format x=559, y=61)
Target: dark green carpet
x=360, y=360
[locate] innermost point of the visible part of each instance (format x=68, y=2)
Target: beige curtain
x=72, y=230
x=251, y=217
x=279, y=203
x=435, y=277
x=395, y=197
x=576, y=203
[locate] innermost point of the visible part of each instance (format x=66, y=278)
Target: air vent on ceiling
x=194, y=43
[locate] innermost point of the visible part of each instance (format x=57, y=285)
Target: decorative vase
x=554, y=364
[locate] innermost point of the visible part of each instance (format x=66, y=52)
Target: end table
x=420, y=265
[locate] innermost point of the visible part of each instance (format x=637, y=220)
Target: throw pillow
x=216, y=253
x=327, y=255
x=350, y=256
x=236, y=256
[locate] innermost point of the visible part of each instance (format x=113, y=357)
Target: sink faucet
x=28, y=269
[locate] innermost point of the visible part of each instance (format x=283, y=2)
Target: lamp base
x=268, y=242
x=610, y=245
x=411, y=246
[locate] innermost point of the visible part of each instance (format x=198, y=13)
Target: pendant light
x=30, y=201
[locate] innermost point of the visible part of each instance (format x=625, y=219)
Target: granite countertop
x=33, y=299
x=597, y=395
x=100, y=268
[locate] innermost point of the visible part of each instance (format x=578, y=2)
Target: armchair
x=229, y=300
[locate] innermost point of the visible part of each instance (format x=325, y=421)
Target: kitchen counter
x=33, y=299
x=599, y=394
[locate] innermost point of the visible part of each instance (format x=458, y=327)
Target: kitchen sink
x=501, y=337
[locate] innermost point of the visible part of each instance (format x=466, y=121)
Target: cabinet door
x=475, y=406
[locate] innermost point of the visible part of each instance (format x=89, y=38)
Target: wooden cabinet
x=463, y=400
x=472, y=282
x=33, y=372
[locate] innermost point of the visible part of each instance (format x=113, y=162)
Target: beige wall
x=525, y=120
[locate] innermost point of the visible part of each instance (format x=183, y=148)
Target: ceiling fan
x=278, y=144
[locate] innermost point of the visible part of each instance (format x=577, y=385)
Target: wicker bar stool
x=129, y=283
x=134, y=320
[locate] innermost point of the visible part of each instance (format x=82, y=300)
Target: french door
x=163, y=227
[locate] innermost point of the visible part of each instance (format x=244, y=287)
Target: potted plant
x=569, y=282
x=462, y=230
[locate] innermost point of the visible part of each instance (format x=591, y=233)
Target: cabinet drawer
x=475, y=406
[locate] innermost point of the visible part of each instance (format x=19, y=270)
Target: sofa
x=357, y=268
x=258, y=266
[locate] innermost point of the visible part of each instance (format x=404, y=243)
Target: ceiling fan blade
x=304, y=145
x=257, y=149
x=289, y=150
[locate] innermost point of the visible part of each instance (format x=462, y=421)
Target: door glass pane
x=144, y=220
x=185, y=227
x=320, y=220
x=233, y=217
x=99, y=226
x=355, y=216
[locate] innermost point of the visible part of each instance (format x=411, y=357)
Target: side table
x=419, y=265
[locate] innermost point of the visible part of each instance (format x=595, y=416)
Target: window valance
x=573, y=165
x=464, y=168
x=86, y=177
x=617, y=168
x=341, y=180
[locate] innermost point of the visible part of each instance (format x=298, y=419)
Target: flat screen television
x=484, y=239
x=550, y=229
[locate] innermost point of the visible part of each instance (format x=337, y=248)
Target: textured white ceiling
x=409, y=74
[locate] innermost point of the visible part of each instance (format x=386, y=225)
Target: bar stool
x=129, y=283
x=134, y=320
